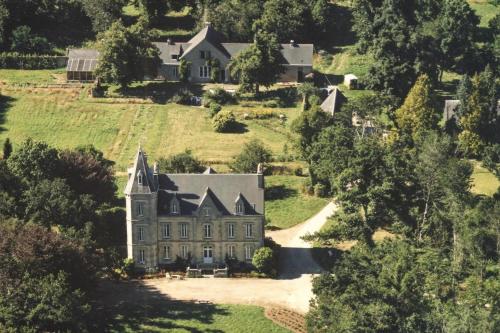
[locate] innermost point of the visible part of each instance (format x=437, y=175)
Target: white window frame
x=249, y=230
x=175, y=207
x=166, y=252
x=239, y=208
x=248, y=252
x=231, y=251
x=230, y=230
x=184, y=251
x=184, y=230
x=140, y=234
x=207, y=231
x=142, y=256
x=139, y=208
x=205, y=71
x=207, y=211
x=166, y=230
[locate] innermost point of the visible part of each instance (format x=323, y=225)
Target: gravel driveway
x=293, y=289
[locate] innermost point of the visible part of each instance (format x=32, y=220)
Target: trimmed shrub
x=264, y=261
x=128, y=267
x=224, y=122
x=214, y=109
x=14, y=60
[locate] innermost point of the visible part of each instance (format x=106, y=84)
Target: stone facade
x=205, y=217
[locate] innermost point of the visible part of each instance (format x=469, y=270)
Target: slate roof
x=140, y=166
x=333, y=101
x=223, y=190
x=296, y=54
x=82, y=60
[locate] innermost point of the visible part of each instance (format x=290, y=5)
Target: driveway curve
x=292, y=290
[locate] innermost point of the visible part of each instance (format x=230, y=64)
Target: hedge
x=14, y=60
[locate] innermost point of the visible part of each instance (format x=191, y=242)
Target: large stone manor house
x=206, y=217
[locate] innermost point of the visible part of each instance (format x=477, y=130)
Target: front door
x=208, y=255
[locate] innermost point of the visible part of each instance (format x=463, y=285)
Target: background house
x=200, y=51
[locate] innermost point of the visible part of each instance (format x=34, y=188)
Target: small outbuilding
x=81, y=65
x=351, y=81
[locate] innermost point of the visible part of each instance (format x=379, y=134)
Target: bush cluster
x=14, y=60
x=224, y=122
x=219, y=96
x=214, y=109
x=183, y=96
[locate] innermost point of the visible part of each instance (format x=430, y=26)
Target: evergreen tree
x=418, y=113
x=7, y=148
x=103, y=13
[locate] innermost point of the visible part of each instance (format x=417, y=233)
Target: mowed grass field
x=66, y=118
x=286, y=205
x=483, y=181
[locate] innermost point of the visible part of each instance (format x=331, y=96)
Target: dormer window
x=175, y=208
x=239, y=208
x=206, y=211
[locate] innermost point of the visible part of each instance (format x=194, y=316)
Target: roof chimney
x=260, y=169
x=208, y=24
x=169, y=41
x=292, y=43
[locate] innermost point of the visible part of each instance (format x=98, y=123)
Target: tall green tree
x=181, y=163
x=103, y=13
x=253, y=153
x=7, y=149
x=126, y=54
x=287, y=19
x=457, y=25
x=418, y=112
x=259, y=64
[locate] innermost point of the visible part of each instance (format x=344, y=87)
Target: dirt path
x=292, y=290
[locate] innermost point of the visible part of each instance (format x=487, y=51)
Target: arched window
x=175, y=209
x=139, y=178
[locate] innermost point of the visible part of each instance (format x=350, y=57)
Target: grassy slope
x=286, y=206
x=484, y=10
x=66, y=118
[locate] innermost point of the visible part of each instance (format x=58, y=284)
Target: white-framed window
x=248, y=230
x=139, y=178
x=206, y=211
x=205, y=71
x=184, y=251
x=140, y=233
x=142, y=256
x=166, y=252
x=230, y=230
x=248, y=252
x=184, y=230
x=139, y=207
x=165, y=230
x=175, y=208
x=231, y=251
x=239, y=208
x=207, y=231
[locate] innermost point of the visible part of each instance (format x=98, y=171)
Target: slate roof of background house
x=168, y=49
x=210, y=35
x=191, y=188
x=82, y=60
x=451, y=105
x=333, y=101
x=298, y=54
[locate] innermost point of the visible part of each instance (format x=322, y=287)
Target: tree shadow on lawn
x=159, y=91
x=5, y=104
x=279, y=192
x=130, y=306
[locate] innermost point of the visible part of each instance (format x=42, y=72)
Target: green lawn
x=484, y=10
x=286, y=206
x=483, y=181
x=66, y=118
x=129, y=307
x=30, y=76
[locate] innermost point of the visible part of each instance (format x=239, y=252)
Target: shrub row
x=14, y=60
